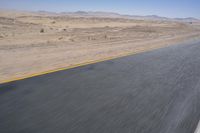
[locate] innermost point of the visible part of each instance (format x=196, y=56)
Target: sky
x=165, y=8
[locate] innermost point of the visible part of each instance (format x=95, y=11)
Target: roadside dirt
x=33, y=43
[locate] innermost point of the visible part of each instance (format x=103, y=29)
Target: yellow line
x=76, y=65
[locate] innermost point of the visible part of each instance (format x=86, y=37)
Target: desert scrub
x=42, y=30
x=1, y=36
x=105, y=36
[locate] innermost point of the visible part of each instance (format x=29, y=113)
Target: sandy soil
x=32, y=43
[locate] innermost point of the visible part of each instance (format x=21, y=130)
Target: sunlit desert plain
x=34, y=42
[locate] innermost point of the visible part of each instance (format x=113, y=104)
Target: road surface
x=151, y=92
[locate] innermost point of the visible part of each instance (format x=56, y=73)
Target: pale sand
x=68, y=40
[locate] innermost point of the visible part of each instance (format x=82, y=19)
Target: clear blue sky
x=168, y=8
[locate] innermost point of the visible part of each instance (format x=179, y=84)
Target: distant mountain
x=101, y=14
x=155, y=17
x=41, y=12
x=93, y=14
x=190, y=19
x=116, y=15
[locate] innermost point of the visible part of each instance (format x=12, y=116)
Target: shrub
x=105, y=36
x=42, y=30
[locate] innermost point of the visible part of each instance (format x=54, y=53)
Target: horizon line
x=75, y=11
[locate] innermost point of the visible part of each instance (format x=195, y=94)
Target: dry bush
x=91, y=38
x=42, y=30
x=71, y=39
x=53, y=22
x=105, y=36
x=1, y=36
x=60, y=38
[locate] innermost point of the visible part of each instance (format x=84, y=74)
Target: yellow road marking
x=77, y=65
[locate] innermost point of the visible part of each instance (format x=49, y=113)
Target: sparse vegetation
x=92, y=38
x=60, y=38
x=105, y=36
x=71, y=39
x=1, y=36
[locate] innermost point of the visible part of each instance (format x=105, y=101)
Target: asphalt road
x=152, y=92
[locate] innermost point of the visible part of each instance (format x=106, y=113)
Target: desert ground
x=32, y=42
